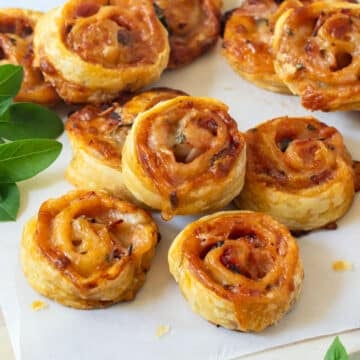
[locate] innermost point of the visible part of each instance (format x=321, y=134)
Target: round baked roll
x=16, y=47
x=237, y=269
x=97, y=135
x=184, y=156
x=88, y=249
x=247, y=41
x=299, y=171
x=193, y=26
x=91, y=50
x=316, y=54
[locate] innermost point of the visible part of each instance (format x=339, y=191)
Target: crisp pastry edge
x=213, y=307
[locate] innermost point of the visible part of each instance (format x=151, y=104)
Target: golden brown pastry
x=91, y=50
x=193, y=26
x=88, y=249
x=16, y=47
x=299, y=171
x=237, y=269
x=247, y=41
x=184, y=156
x=97, y=135
x=316, y=51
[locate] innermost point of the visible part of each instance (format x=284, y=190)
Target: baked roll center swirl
x=245, y=260
x=299, y=171
x=193, y=26
x=109, y=32
x=316, y=50
x=300, y=152
x=248, y=37
x=97, y=246
x=183, y=147
x=97, y=135
x=115, y=46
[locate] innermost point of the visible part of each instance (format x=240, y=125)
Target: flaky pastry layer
x=237, y=269
x=316, y=54
x=247, y=41
x=93, y=50
x=184, y=156
x=193, y=26
x=88, y=250
x=97, y=135
x=299, y=171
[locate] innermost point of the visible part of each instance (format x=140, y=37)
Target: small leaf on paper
x=27, y=120
x=23, y=159
x=9, y=202
x=10, y=81
x=336, y=351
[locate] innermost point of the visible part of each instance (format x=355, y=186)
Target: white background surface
x=329, y=302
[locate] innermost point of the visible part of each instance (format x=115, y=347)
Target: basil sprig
x=26, y=145
x=336, y=351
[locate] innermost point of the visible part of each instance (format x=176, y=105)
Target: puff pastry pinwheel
x=88, y=249
x=184, y=156
x=299, y=171
x=93, y=50
x=16, y=47
x=316, y=49
x=247, y=41
x=193, y=25
x=237, y=269
x=97, y=135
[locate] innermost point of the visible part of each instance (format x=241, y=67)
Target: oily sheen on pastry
x=317, y=50
x=237, y=269
x=184, y=156
x=193, y=26
x=91, y=50
x=299, y=171
x=247, y=41
x=88, y=249
x=97, y=135
x=16, y=47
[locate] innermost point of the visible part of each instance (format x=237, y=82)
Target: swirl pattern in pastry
x=184, y=156
x=16, y=47
x=316, y=50
x=91, y=50
x=237, y=269
x=97, y=135
x=247, y=44
x=299, y=171
x=193, y=26
x=88, y=249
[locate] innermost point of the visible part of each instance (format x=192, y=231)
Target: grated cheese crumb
x=342, y=265
x=162, y=330
x=38, y=305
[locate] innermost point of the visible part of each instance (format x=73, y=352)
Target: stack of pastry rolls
x=165, y=150
x=91, y=51
x=305, y=48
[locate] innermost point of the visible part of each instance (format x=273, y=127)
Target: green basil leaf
x=22, y=159
x=4, y=105
x=27, y=120
x=336, y=351
x=10, y=80
x=9, y=201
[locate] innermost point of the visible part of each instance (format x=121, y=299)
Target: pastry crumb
x=162, y=330
x=342, y=265
x=38, y=305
